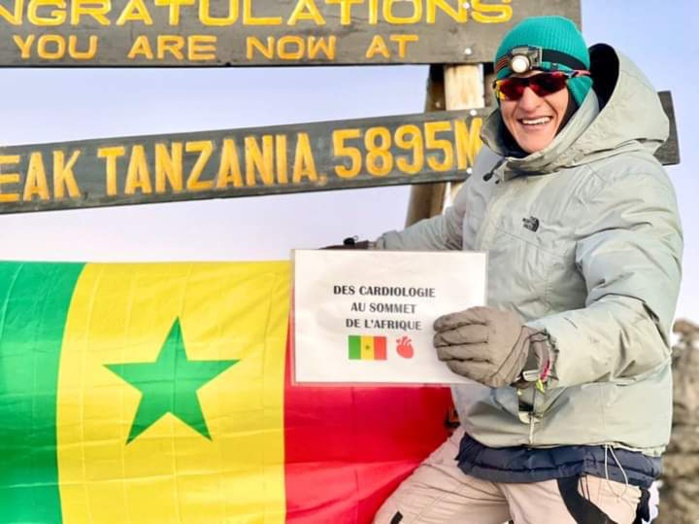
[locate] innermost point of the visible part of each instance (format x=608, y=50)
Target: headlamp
x=524, y=59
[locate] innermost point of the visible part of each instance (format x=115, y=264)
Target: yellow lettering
x=441, y=144
x=345, y=9
x=111, y=154
x=315, y=45
x=311, y=13
x=168, y=167
x=174, y=8
x=206, y=18
x=291, y=47
x=135, y=11
x=14, y=18
x=373, y=12
x=460, y=14
x=491, y=14
x=25, y=47
x=254, y=42
x=96, y=9
x=403, y=42
x=249, y=19
x=468, y=142
x=53, y=47
x=82, y=55
x=379, y=160
x=55, y=16
x=8, y=178
x=304, y=163
x=205, y=148
x=42, y=47
x=343, y=170
x=137, y=174
x=378, y=46
x=410, y=137
x=63, y=176
x=391, y=19
x=141, y=47
x=201, y=47
x=36, y=183
x=280, y=144
x=229, y=168
x=260, y=160
x=172, y=44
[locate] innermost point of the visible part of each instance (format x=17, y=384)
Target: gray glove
x=492, y=347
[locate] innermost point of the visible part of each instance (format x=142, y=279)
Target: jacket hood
x=622, y=113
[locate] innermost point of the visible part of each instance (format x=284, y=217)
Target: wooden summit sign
x=396, y=150
x=110, y=33
x=245, y=162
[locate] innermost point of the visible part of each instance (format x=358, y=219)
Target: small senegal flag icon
x=363, y=347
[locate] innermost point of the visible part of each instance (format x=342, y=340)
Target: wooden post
x=457, y=87
x=421, y=202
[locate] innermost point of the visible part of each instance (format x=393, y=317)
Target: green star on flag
x=170, y=385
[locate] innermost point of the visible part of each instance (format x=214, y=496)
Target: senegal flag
x=160, y=393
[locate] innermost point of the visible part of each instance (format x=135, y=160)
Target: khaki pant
x=439, y=492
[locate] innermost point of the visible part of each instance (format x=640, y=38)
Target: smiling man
x=534, y=120
x=584, y=245
x=540, y=87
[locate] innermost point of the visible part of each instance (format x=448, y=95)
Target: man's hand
x=490, y=346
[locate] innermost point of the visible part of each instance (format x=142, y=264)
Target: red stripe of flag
x=348, y=448
x=379, y=348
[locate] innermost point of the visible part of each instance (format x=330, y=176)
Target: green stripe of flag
x=34, y=302
x=354, y=344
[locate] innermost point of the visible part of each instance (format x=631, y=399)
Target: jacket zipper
x=528, y=416
x=492, y=213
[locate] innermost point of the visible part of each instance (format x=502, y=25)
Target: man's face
x=532, y=120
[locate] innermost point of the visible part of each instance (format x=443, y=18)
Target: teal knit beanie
x=554, y=34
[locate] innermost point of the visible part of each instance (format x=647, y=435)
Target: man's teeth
x=536, y=121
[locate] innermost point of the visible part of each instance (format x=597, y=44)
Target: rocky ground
x=679, y=489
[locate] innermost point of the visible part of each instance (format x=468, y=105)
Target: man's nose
x=530, y=99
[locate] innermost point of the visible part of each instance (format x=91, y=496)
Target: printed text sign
x=366, y=316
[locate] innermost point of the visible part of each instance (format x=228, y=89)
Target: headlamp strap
x=565, y=59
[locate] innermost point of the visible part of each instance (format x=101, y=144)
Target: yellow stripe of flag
x=228, y=466
x=367, y=348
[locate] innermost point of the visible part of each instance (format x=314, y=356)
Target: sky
x=57, y=105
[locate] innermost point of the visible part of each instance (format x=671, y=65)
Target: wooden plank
x=107, y=33
x=669, y=152
x=347, y=154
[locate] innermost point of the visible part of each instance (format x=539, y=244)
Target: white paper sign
x=366, y=316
